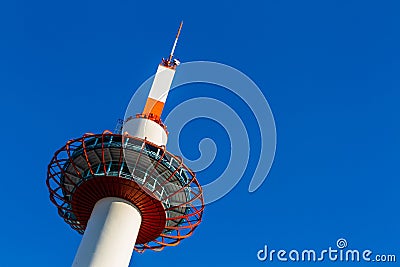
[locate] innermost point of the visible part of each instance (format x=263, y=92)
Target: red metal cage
x=96, y=166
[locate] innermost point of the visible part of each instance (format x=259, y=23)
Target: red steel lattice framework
x=96, y=166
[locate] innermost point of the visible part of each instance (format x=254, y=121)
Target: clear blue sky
x=329, y=69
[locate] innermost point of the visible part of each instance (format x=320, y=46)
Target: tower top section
x=156, y=100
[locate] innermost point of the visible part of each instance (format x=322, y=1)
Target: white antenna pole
x=176, y=41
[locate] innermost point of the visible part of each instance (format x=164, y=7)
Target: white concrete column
x=110, y=234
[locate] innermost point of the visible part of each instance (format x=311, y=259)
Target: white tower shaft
x=110, y=235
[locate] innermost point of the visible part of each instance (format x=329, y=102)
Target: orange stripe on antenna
x=153, y=107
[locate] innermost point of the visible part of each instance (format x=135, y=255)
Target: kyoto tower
x=124, y=191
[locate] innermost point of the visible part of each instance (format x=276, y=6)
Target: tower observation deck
x=125, y=191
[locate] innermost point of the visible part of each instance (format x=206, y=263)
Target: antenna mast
x=176, y=41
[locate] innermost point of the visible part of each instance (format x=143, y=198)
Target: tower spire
x=176, y=41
